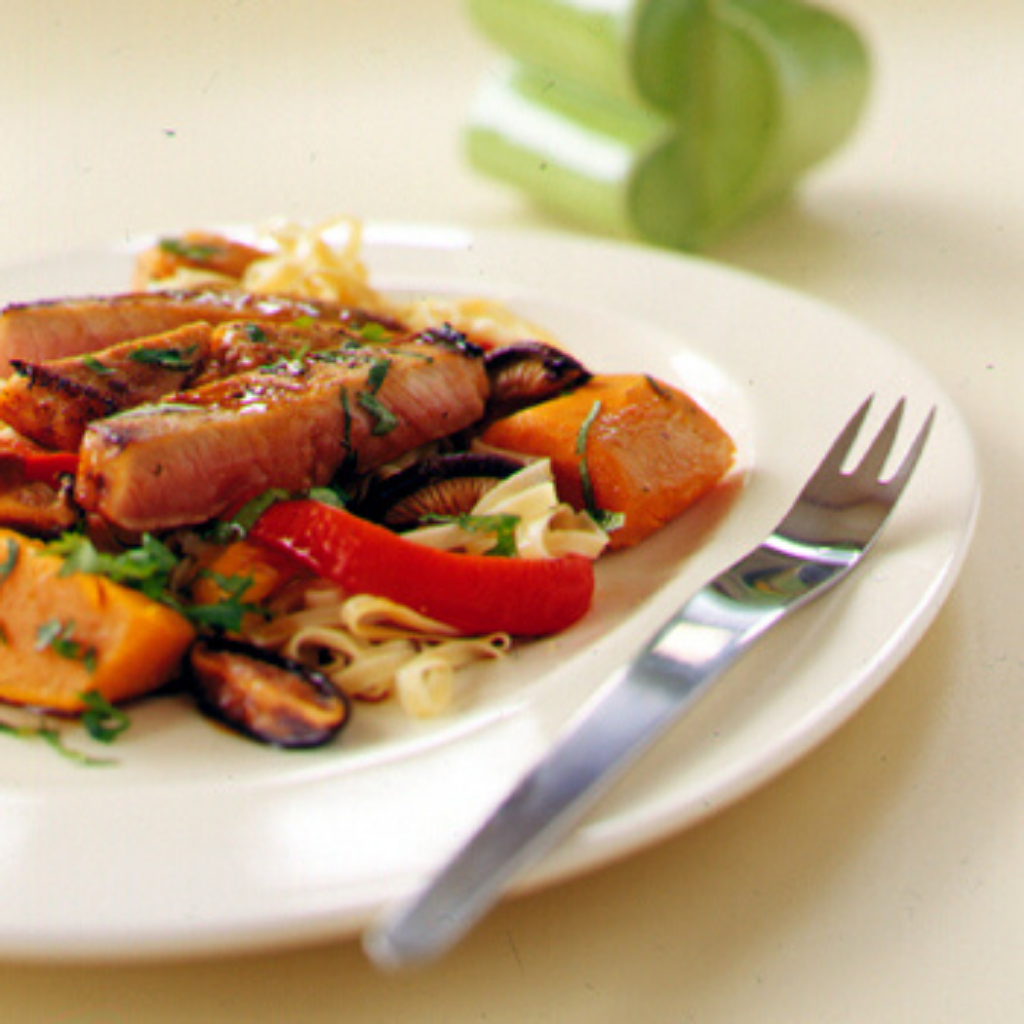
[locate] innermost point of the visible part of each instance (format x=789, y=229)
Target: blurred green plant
x=669, y=119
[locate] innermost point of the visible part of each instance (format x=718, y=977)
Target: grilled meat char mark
x=52, y=402
x=290, y=425
x=40, y=331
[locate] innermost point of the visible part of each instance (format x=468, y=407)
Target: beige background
x=881, y=879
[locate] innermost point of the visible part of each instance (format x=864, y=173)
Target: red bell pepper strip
x=474, y=594
x=50, y=466
x=38, y=465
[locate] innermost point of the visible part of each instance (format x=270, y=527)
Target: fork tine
x=870, y=467
x=832, y=464
x=899, y=479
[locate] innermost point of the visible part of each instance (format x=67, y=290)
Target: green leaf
x=165, y=358
x=196, y=252
x=92, y=363
x=59, y=637
x=384, y=420
x=226, y=615
x=239, y=525
x=378, y=371
x=146, y=568
x=502, y=525
x=371, y=332
x=54, y=739
x=10, y=563
x=608, y=521
x=101, y=720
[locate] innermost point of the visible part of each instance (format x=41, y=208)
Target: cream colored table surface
x=882, y=879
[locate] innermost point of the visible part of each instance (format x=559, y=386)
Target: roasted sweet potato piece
x=265, y=569
x=195, y=250
x=648, y=449
x=67, y=635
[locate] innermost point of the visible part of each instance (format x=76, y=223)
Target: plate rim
x=589, y=849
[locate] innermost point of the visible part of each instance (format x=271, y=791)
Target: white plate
x=198, y=841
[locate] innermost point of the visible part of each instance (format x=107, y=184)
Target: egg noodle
x=325, y=262
x=370, y=647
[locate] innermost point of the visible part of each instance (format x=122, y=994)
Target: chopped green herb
x=350, y=461
x=303, y=322
x=378, y=371
x=58, y=637
x=254, y=332
x=166, y=358
x=55, y=740
x=92, y=363
x=502, y=525
x=608, y=521
x=146, y=568
x=328, y=496
x=384, y=419
x=239, y=525
x=102, y=721
x=224, y=615
x=196, y=252
x=10, y=563
x=658, y=388
x=372, y=332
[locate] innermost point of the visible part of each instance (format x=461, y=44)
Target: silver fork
x=828, y=530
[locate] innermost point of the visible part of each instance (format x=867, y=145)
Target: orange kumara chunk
x=65, y=636
x=264, y=569
x=648, y=449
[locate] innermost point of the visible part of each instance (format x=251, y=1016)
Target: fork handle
x=603, y=741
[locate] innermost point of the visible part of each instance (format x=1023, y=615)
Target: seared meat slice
x=290, y=425
x=40, y=331
x=243, y=345
x=53, y=402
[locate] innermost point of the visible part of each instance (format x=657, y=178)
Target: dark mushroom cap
x=442, y=485
x=529, y=372
x=264, y=696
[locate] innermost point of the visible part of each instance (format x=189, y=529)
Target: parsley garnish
x=226, y=615
x=384, y=420
x=658, y=388
x=11, y=561
x=58, y=637
x=372, y=332
x=54, y=739
x=92, y=363
x=102, y=721
x=328, y=496
x=502, y=525
x=239, y=525
x=146, y=568
x=378, y=371
x=254, y=332
x=194, y=251
x=165, y=358
x=606, y=520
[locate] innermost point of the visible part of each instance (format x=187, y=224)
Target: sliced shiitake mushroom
x=442, y=485
x=529, y=372
x=265, y=696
